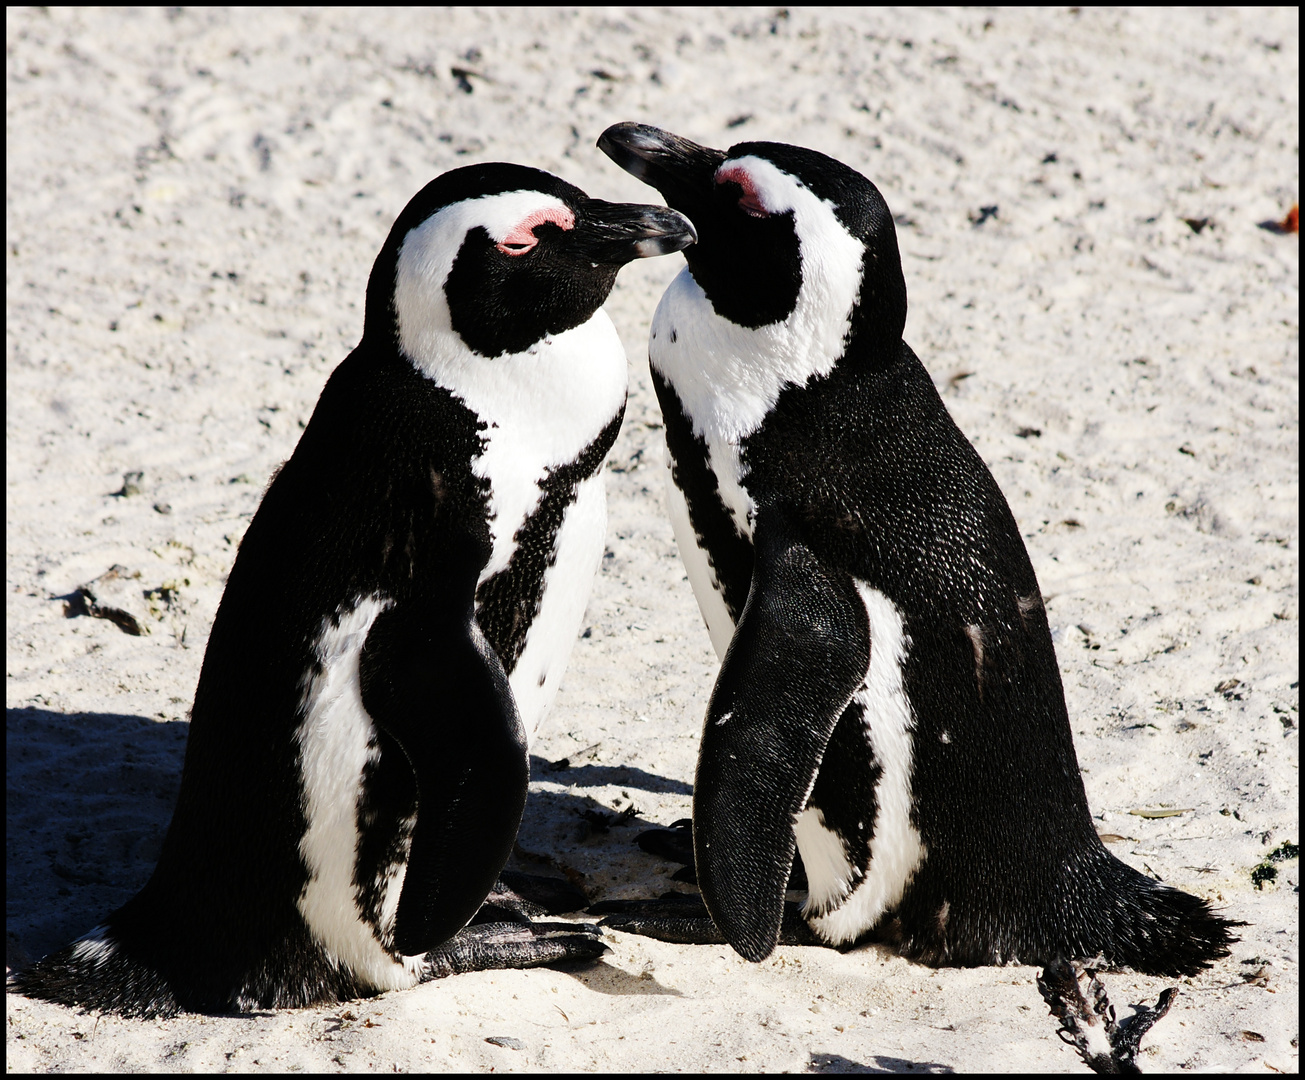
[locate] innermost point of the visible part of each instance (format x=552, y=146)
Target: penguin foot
x=493, y=945
x=1106, y=1046
x=684, y=920
x=675, y=844
x=519, y=898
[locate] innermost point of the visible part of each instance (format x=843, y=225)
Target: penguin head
x=778, y=225
x=494, y=258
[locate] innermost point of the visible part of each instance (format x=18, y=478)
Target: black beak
x=620, y=232
x=681, y=170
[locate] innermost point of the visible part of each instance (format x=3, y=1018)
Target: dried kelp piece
x=1161, y=813
x=110, y=596
x=1107, y=1046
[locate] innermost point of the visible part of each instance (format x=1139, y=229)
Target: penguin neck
x=728, y=376
x=541, y=408
x=562, y=389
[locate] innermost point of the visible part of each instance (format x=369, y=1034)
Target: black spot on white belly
x=507, y=603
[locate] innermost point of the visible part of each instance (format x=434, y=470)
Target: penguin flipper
x=801, y=650
x=435, y=685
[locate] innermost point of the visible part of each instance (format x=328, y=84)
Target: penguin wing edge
x=439, y=689
x=800, y=652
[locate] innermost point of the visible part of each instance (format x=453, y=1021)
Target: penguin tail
x=97, y=972
x=1091, y=907
x=1157, y=929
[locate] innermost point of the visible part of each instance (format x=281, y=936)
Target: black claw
x=678, y=931
x=676, y=917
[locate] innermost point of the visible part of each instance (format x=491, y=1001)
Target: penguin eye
x=517, y=245
x=522, y=237
x=750, y=201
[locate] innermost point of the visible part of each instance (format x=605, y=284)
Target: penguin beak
x=681, y=170
x=620, y=232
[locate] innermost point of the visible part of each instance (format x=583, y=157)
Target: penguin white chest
x=542, y=409
x=841, y=903
x=577, y=553
x=337, y=742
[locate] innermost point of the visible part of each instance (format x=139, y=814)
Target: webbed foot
x=683, y=919
x=675, y=844
x=492, y=945
x=518, y=897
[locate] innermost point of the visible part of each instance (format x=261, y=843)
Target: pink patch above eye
x=750, y=200
x=522, y=236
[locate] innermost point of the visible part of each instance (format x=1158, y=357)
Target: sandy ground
x=194, y=200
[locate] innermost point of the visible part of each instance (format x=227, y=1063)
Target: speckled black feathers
x=855, y=456
x=508, y=601
x=728, y=552
x=380, y=517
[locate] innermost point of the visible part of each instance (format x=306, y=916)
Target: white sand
x=194, y=203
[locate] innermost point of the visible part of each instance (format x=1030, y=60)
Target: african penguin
x=395, y=626
x=889, y=700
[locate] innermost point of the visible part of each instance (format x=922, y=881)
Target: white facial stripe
x=763, y=183
x=428, y=252
x=729, y=376
x=896, y=851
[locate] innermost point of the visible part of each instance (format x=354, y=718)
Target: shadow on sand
x=878, y=1063
x=90, y=795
